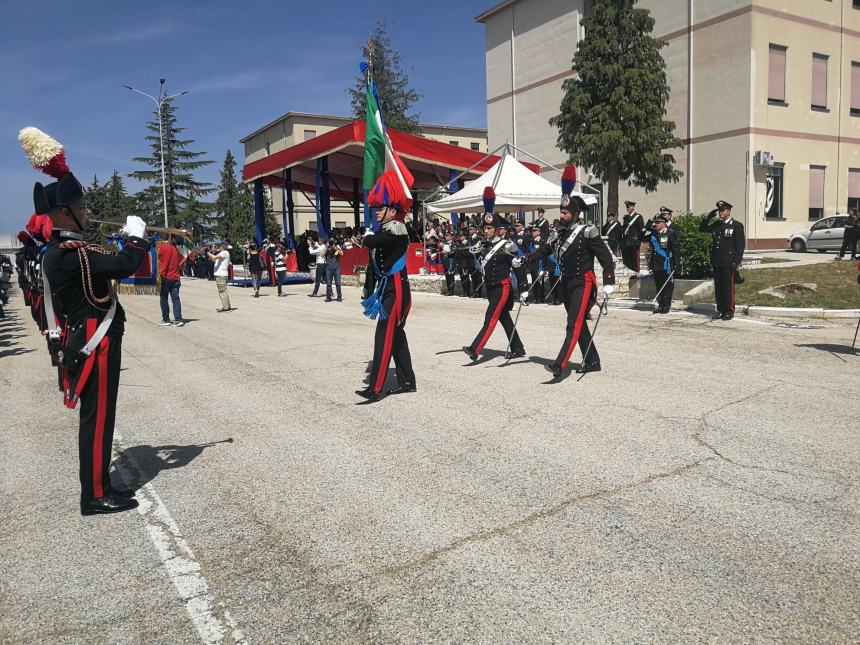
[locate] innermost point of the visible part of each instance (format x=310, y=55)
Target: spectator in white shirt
x=222, y=267
x=317, y=250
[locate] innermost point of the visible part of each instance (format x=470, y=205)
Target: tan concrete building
x=746, y=76
x=295, y=127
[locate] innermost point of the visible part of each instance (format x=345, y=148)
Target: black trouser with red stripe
x=578, y=295
x=630, y=256
x=664, y=300
x=390, y=340
x=724, y=289
x=98, y=411
x=498, y=310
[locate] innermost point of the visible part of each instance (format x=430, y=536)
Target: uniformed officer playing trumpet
x=497, y=256
x=575, y=247
x=79, y=276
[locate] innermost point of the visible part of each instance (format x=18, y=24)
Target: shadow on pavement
x=141, y=464
x=831, y=348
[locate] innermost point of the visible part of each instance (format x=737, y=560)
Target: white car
x=824, y=235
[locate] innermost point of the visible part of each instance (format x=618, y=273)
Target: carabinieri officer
x=576, y=246
x=386, y=287
x=727, y=253
x=497, y=256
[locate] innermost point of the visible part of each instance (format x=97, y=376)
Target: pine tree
x=392, y=84
x=94, y=195
x=117, y=204
x=611, y=116
x=234, y=207
x=179, y=166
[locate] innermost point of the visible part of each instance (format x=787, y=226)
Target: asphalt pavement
x=702, y=488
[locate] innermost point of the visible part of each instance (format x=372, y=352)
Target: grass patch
x=774, y=260
x=837, y=286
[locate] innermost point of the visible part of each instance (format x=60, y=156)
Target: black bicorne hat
x=57, y=194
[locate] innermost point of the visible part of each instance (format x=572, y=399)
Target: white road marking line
x=182, y=568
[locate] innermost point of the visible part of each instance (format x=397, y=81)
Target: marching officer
x=612, y=231
x=497, y=257
x=727, y=252
x=575, y=247
x=663, y=260
x=631, y=237
x=387, y=295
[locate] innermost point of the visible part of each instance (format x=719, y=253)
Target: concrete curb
x=778, y=312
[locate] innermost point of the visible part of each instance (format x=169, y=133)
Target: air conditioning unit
x=763, y=158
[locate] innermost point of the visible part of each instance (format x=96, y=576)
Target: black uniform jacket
x=727, y=247
x=65, y=275
x=612, y=231
x=386, y=247
x=579, y=257
x=498, y=267
x=632, y=231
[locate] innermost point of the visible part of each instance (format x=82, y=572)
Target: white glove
x=511, y=247
x=608, y=289
x=517, y=262
x=524, y=297
x=367, y=232
x=134, y=227
x=446, y=248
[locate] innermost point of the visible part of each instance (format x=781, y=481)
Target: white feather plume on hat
x=43, y=151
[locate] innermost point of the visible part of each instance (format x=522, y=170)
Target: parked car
x=824, y=235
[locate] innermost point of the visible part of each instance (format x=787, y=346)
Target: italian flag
x=379, y=154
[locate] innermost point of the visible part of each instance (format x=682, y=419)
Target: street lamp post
x=158, y=103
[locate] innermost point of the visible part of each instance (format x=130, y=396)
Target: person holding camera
x=332, y=269
x=221, y=270
x=317, y=251
x=727, y=252
x=255, y=266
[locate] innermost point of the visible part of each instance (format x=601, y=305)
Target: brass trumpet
x=107, y=229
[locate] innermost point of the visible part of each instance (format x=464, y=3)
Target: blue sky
x=64, y=64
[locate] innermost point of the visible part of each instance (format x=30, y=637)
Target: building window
x=854, y=188
x=475, y=146
x=856, y=4
x=776, y=75
x=312, y=225
x=819, y=82
x=340, y=224
x=855, y=89
x=310, y=134
x=773, y=196
x=816, y=192
x=454, y=143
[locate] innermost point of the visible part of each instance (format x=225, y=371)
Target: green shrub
x=694, y=247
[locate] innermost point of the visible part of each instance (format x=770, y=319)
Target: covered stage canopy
x=429, y=161
x=518, y=187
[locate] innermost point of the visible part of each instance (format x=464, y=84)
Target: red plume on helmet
x=388, y=191
x=44, y=152
x=489, y=199
x=568, y=180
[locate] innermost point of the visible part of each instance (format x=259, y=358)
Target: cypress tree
x=392, y=84
x=611, y=118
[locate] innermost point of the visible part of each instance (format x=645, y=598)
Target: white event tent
x=517, y=189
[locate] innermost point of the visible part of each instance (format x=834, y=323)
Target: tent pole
x=465, y=172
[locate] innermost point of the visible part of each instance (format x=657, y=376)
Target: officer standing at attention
x=576, y=246
x=663, y=260
x=79, y=277
x=631, y=237
x=612, y=231
x=727, y=252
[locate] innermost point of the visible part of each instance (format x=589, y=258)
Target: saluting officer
x=663, y=260
x=631, y=237
x=497, y=256
x=612, y=231
x=576, y=246
x=727, y=252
